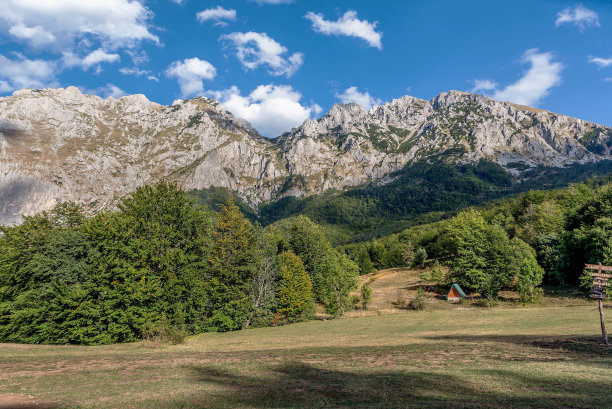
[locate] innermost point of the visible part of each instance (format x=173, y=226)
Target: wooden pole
x=603, y=324
x=604, y=334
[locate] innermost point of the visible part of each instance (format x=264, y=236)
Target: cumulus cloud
x=95, y=58
x=602, y=62
x=109, y=90
x=352, y=95
x=60, y=22
x=535, y=84
x=271, y=109
x=348, y=25
x=484, y=85
x=25, y=73
x=217, y=14
x=138, y=73
x=191, y=72
x=579, y=16
x=37, y=35
x=256, y=49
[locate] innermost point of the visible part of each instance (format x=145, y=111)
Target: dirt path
x=18, y=401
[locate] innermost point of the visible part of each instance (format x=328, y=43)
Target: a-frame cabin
x=455, y=293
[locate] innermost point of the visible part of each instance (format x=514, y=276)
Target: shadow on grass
x=581, y=347
x=298, y=384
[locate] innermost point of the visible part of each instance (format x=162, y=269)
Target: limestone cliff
x=59, y=145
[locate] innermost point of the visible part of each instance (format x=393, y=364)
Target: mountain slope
x=58, y=145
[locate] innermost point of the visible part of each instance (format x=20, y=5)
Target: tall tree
x=233, y=268
x=295, y=297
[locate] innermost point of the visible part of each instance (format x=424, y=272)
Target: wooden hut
x=455, y=293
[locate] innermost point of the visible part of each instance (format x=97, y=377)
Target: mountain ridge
x=59, y=144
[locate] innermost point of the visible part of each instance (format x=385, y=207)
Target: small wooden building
x=455, y=293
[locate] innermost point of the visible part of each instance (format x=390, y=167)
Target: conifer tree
x=233, y=267
x=295, y=298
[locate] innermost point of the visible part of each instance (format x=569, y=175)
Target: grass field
x=535, y=357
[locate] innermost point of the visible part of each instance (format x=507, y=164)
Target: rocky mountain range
x=61, y=145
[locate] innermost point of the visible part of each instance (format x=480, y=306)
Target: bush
x=485, y=302
x=435, y=275
x=418, y=302
x=162, y=333
x=366, y=295
x=419, y=258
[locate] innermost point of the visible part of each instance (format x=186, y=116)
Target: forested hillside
x=162, y=265
x=537, y=236
x=422, y=192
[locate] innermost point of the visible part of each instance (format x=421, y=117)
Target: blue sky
x=277, y=62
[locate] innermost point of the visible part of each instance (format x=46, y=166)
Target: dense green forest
x=162, y=263
x=422, y=192
x=517, y=242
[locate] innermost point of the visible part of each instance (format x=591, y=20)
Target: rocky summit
x=61, y=145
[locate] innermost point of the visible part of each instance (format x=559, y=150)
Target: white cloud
x=95, y=58
x=217, y=14
x=255, y=49
x=190, y=74
x=535, y=84
x=5, y=86
x=24, y=73
x=138, y=73
x=579, y=16
x=484, y=85
x=602, y=62
x=608, y=79
x=114, y=91
x=260, y=2
x=109, y=90
x=352, y=95
x=179, y=2
x=271, y=109
x=60, y=22
x=348, y=25
x=37, y=35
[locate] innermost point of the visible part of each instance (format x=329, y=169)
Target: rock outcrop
x=59, y=145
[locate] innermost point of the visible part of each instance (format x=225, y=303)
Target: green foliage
x=418, y=302
x=332, y=273
x=366, y=295
x=419, y=258
x=435, y=275
x=480, y=258
x=102, y=280
x=295, y=296
x=529, y=273
x=233, y=265
x=264, y=285
x=363, y=261
x=162, y=332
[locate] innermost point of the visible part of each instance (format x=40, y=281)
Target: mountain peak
x=59, y=144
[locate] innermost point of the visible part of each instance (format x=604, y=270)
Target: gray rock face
x=59, y=145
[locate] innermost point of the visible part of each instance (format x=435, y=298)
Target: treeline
x=423, y=192
x=161, y=262
x=519, y=243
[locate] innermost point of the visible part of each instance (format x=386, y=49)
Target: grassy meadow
x=544, y=356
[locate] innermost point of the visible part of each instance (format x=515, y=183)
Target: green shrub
x=366, y=295
x=435, y=275
x=163, y=333
x=419, y=258
x=418, y=302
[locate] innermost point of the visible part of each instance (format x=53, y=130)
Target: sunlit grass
x=500, y=357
